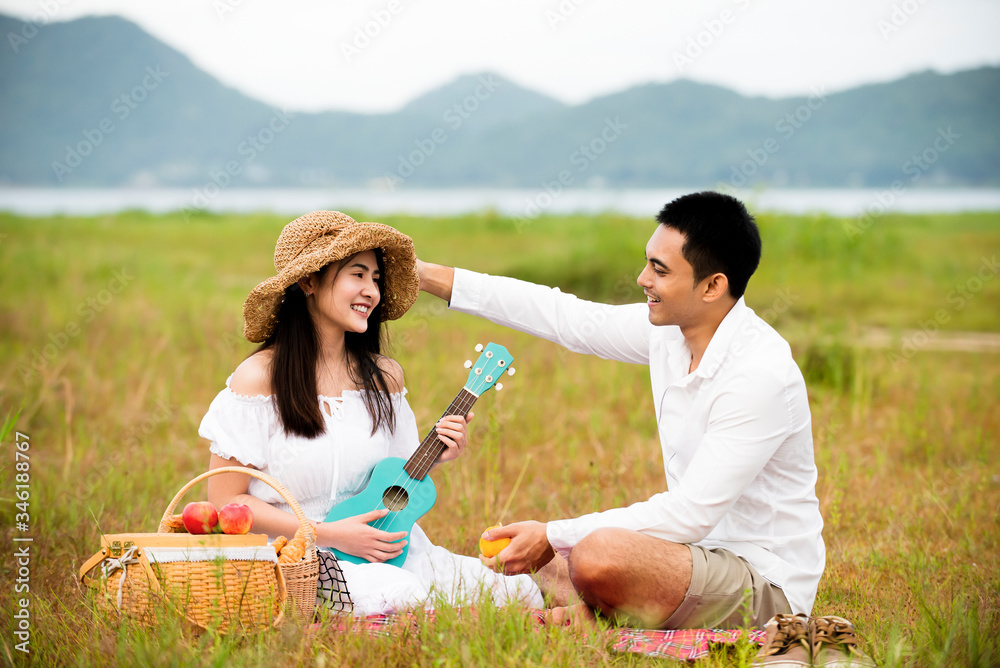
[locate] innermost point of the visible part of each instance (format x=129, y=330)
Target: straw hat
x=309, y=243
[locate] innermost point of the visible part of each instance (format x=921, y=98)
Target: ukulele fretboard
x=419, y=465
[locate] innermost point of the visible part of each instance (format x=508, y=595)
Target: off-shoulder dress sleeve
x=239, y=427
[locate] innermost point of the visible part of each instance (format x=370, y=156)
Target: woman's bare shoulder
x=393, y=373
x=253, y=376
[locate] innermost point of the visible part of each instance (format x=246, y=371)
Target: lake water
x=516, y=202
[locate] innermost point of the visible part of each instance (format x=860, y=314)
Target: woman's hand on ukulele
x=453, y=430
x=354, y=536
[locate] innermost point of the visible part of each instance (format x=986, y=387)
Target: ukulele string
x=461, y=404
x=404, y=490
x=424, y=460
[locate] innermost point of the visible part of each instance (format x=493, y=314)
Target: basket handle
x=305, y=529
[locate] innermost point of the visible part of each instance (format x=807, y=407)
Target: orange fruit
x=491, y=548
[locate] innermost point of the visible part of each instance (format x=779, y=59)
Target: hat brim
x=402, y=283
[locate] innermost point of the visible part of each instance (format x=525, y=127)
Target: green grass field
x=117, y=331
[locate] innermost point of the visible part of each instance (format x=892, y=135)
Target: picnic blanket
x=685, y=644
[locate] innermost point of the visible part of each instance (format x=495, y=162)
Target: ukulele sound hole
x=395, y=498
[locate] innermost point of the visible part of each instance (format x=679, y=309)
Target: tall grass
x=117, y=331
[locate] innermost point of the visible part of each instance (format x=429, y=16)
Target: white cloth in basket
x=166, y=555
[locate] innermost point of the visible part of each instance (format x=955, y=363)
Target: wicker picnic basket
x=234, y=590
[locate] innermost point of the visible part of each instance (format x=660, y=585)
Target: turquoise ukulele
x=403, y=486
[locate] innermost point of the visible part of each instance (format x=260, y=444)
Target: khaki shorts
x=726, y=592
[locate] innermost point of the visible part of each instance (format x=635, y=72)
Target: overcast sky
x=376, y=55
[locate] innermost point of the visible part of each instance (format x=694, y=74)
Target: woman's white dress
x=323, y=471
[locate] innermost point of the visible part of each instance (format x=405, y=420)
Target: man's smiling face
x=667, y=279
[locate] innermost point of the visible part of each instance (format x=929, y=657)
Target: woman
x=317, y=405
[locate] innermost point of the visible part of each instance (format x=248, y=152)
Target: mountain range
x=98, y=102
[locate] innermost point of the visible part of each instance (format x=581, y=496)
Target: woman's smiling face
x=345, y=298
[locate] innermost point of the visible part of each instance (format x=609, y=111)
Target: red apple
x=236, y=518
x=200, y=517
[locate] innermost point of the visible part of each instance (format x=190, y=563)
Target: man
x=737, y=536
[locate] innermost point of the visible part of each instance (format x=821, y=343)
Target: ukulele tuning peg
x=499, y=386
x=510, y=371
x=468, y=364
x=479, y=347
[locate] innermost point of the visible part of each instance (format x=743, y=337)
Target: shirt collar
x=718, y=347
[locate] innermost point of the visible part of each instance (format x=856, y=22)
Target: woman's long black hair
x=295, y=343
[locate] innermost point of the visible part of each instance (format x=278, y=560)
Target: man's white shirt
x=736, y=434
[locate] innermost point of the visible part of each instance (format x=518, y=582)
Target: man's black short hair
x=720, y=236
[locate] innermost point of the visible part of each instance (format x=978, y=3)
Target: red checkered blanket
x=686, y=644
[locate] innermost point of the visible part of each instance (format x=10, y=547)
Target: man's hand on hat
x=436, y=279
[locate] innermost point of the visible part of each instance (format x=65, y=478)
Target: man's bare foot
x=553, y=580
x=579, y=617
